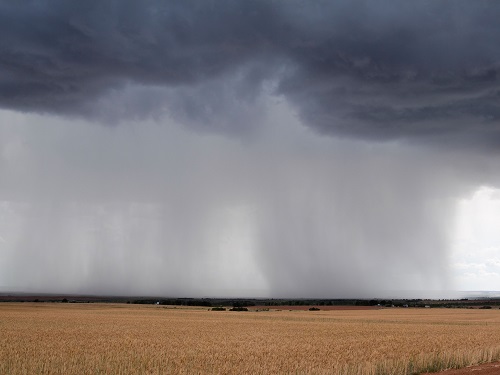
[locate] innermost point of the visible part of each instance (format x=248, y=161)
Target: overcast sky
x=249, y=148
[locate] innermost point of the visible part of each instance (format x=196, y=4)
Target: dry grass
x=124, y=339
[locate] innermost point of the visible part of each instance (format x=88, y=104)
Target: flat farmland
x=54, y=338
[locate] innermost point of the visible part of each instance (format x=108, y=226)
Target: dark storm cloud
x=375, y=70
x=59, y=56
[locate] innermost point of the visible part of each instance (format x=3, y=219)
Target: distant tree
x=238, y=309
x=218, y=308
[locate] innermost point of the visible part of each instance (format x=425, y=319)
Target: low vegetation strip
x=48, y=338
x=482, y=369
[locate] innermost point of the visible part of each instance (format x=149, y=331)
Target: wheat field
x=48, y=338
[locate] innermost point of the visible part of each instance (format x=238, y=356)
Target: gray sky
x=252, y=148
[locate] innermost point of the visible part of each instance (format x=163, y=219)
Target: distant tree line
x=214, y=302
x=174, y=302
x=248, y=302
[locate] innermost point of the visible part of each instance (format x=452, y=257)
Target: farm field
x=55, y=338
